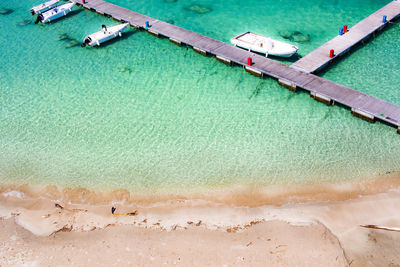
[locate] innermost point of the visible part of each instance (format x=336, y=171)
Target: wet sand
x=55, y=230
x=248, y=195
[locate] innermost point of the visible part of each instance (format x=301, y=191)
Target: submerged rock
x=5, y=11
x=126, y=69
x=199, y=9
x=24, y=22
x=295, y=36
x=285, y=34
x=170, y=21
x=300, y=37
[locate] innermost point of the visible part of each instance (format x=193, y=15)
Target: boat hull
x=56, y=13
x=264, y=45
x=39, y=9
x=107, y=34
x=287, y=54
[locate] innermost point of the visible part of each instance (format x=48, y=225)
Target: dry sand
x=267, y=244
x=36, y=232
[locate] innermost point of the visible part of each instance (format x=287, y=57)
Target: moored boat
x=264, y=45
x=104, y=35
x=44, y=7
x=55, y=13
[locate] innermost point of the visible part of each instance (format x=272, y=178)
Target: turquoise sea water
x=143, y=114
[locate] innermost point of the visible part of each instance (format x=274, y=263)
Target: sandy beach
x=37, y=231
x=266, y=244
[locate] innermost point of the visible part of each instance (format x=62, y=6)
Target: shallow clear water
x=143, y=114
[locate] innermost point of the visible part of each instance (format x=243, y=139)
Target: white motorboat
x=44, y=7
x=264, y=45
x=104, y=35
x=55, y=13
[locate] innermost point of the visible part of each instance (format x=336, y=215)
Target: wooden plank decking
x=319, y=58
x=362, y=105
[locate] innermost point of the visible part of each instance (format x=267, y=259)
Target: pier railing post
x=249, y=61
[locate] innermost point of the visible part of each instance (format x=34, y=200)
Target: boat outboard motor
x=86, y=42
x=104, y=27
x=39, y=19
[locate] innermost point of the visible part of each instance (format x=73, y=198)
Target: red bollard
x=249, y=61
x=345, y=29
x=83, y=2
x=331, y=53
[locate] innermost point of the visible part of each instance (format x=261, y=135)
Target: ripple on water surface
x=142, y=113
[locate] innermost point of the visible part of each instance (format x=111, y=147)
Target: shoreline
x=250, y=196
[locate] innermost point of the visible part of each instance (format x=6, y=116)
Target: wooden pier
x=361, y=105
x=319, y=58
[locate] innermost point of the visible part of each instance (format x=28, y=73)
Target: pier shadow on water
x=327, y=113
x=257, y=90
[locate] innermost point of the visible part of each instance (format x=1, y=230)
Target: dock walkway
x=319, y=58
x=362, y=105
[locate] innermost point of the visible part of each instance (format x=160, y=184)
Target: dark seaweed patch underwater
x=6, y=11
x=199, y=9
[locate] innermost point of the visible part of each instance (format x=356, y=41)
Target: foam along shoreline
x=332, y=220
